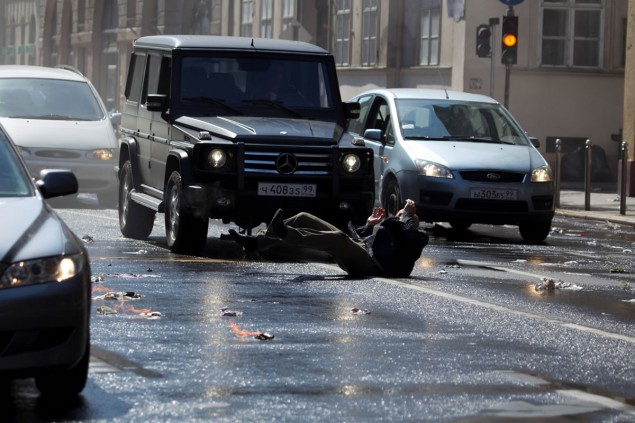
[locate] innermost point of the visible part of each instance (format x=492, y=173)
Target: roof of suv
x=27, y=71
x=214, y=42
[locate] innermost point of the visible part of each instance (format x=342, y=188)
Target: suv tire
x=135, y=221
x=185, y=231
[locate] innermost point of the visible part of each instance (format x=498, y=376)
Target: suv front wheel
x=185, y=230
x=135, y=221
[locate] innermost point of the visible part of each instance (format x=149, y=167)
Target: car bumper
x=44, y=326
x=93, y=177
x=443, y=200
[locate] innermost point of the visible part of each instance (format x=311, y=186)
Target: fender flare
x=179, y=160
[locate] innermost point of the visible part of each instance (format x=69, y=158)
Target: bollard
x=587, y=175
x=558, y=164
x=623, y=194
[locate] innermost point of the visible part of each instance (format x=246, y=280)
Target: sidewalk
x=603, y=206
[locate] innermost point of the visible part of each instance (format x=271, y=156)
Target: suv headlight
x=217, y=158
x=43, y=270
x=434, y=170
x=351, y=163
x=541, y=174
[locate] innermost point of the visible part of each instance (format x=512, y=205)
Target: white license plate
x=493, y=194
x=286, y=190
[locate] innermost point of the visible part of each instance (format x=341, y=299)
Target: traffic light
x=483, y=41
x=509, y=41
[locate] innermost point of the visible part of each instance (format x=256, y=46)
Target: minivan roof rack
x=70, y=68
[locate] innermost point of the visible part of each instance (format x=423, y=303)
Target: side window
x=135, y=76
x=151, y=85
x=356, y=126
x=380, y=115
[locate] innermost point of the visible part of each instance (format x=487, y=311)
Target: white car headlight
x=434, y=170
x=351, y=163
x=217, y=158
x=43, y=270
x=541, y=174
x=101, y=154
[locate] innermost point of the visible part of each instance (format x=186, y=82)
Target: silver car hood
x=63, y=134
x=473, y=155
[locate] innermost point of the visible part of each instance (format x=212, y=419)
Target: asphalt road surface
x=488, y=328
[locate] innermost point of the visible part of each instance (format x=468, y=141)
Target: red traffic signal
x=483, y=41
x=509, y=40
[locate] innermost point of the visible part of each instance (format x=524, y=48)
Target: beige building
x=568, y=81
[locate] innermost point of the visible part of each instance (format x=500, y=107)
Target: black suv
x=234, y=128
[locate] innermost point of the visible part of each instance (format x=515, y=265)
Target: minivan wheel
x=534, y=232
x=392, y=198
x=135, y=221
x=185, y=230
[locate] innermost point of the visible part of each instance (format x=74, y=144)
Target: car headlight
x=541, y=174
x=101, y=154
x=43, y=270
x=351, y=163
x=434, y=170
x=217, y=158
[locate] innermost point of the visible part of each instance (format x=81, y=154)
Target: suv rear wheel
x=185, y=230
x=135, y=221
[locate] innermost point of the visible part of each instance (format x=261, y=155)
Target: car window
x=53, y=99
x=13, y=178
x=379, y=118
x=135, y=75
x=157, y=80
x=440, y=119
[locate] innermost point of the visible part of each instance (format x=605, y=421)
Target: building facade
x=568, y=81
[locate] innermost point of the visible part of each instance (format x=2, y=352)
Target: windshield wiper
x=214, y=101
x=275, y=104
x=471, y=138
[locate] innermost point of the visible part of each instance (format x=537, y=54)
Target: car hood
x=244, y=127
x=473, y=155
x=66, y=134
x=31, y=230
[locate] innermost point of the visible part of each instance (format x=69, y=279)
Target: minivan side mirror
x=157, y=102
x=373, y=134
x=535, y=142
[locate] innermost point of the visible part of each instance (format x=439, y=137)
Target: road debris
x=549, y=284
x=105, y=310
x=97, y=278
x=140, y=252
x=119, y=296
x=229, y=313
x=263, y=336
x=625, y=285
x=618, y=270
x=356, y=310
x=131, y=275
x=629, y=301
x=88, y=239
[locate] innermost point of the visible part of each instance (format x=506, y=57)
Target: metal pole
x=492, y=23
x=558, y=163
x=623, y=193
x=587, y=175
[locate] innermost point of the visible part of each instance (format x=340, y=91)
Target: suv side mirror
x=352, y=110
x=157, y=102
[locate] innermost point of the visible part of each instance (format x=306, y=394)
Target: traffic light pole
x=508, y=67
x=492, y=23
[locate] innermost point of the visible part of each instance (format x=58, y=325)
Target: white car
x=461, y=157
x=58, y=121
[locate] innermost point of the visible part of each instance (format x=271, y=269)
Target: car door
x=379, y=118
x=158, y=82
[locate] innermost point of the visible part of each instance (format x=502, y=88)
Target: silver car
x=44, y=281
x=461, y=157
x=58, y=121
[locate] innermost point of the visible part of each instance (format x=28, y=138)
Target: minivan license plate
x=286, y=190
x=493, y=194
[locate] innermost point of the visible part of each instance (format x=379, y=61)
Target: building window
x=430, y=29
x=246, y=18
x=343, y=33
x=571, y=33
x=369, y=32
x=288, y=13
x=266, y=19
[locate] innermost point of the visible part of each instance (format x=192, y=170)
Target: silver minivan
x=461, y=157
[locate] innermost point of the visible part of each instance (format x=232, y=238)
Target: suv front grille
x=301, y=163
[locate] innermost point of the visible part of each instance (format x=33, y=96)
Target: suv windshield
x=423, y=119
x=52, y=99
x=254, y=86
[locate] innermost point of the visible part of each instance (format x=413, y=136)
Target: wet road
x=467, y=338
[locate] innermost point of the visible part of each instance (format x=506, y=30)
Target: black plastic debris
x=356, y=310
x=264, y=336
